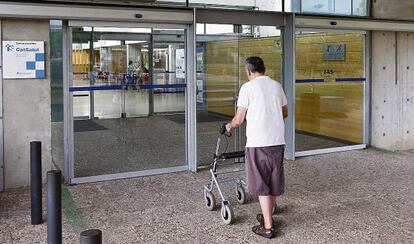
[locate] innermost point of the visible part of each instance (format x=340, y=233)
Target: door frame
x=286, y=23
x=1, y=121
x=190, y=101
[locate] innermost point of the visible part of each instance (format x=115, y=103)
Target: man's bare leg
x=267, y=203
x=274, y=206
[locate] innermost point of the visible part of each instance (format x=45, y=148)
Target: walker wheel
x=209, y=201
x=241, y=195
x=226, y=214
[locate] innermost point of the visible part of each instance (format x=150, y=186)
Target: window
x=336, y=7
x=262, y=5
x=329, y=90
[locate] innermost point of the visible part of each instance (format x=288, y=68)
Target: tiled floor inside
x=352, y=197
x=109, y=146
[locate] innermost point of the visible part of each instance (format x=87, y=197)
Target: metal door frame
x=190, y=102
x=1, y=119
x=286, y=23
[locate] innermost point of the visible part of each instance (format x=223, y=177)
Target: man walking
x=263, y=103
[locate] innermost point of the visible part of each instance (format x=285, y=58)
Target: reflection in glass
x=169, y=69
x=220, y=73
x=113, y=90
x=217, y=82
x=262, y=5
x=329, y=90
x=56, y=82
x=338, y=7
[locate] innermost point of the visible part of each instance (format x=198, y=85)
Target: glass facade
x=128, y=100
x=128, y=90
x=329, y=90
x=169, y=69
x=334, y=7
x=56, y=89
x=220, y=74
x=262, y=5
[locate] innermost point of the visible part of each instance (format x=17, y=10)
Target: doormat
x=87, y=125
x=201, y=118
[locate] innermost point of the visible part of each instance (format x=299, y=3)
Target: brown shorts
x=264, y=170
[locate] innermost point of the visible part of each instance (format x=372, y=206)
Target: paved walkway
x=352, y=197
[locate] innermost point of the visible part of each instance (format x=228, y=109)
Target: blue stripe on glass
x=349, y=79
x=120, y=87
x=309, y=80
x=337, y=79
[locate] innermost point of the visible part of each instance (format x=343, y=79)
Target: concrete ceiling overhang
x=101, y=1
x=66, y=11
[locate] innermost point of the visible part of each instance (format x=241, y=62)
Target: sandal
x=262, y=231
x=260, y=218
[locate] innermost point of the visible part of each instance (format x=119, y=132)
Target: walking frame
x=226, y=211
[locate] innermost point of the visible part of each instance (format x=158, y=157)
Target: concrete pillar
x=384, y=92
x=405, y=97
x=393, y=90
x=392, y=79
x=27, y=107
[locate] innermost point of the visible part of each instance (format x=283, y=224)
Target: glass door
x=329, y=90
x=169, y=72
x=222, y=50
x=115, y=91
x=82, y=66
x=217, y=87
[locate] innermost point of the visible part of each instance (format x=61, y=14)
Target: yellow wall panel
x=333, y=109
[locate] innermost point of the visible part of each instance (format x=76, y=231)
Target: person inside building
x=144, y=77
x=262, y=102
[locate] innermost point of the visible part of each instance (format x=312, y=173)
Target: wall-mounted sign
x=200, y=76
x=180, y=63
x=334, y=52
x=23, y=60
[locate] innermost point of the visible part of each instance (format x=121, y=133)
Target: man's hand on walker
x=228, y=127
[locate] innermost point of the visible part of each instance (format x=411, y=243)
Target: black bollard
x=54, y=207
x=36, y=182
x=93, y=236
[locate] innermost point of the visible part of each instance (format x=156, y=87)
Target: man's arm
x=238, y=119
x=285, y=111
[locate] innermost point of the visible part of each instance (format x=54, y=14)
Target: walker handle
x=223, y=130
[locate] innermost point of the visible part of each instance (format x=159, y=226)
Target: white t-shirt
x=264, y=99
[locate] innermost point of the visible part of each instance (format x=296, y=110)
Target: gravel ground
x=352, y=197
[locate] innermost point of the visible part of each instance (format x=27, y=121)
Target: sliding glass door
x=128, y=93
x=329, y=90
